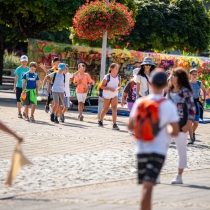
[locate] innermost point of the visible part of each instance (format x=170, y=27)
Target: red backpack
x=146, y=125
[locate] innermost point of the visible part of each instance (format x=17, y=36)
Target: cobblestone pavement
x=78, y=153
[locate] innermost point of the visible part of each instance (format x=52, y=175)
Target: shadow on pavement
x=190, y=186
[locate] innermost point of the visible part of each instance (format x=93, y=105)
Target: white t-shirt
x=113, y=83
x=68, y=76
x=144, y=85
x=167, y=114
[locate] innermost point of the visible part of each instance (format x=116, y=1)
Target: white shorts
x=81, y=97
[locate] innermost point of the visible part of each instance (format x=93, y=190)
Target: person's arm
x=23, y=85
x=137, y=90
x=47, y=78
x=191, y=111
x=43, y=67
x=76, y=73
x=15, y=82
x=37, y=86
x=104, y=87
x=204, y=93
x=9, y=131
x=173, y=129
x=124, y=98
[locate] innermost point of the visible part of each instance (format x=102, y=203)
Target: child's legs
x=61, y=102
x=18, y=94
x=81, y=97
x=26, y=110
x=181, y=144
x=146, y=195
x=80, y=108
x=114, y=102
x=107, y=103
x=33, y=107
x=66, y=104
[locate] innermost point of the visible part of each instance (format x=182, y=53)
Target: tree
x=163, y=24
x=31, y=18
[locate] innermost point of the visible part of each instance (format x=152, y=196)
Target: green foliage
x=34, y=17
x=11, y=61
x=59, y=36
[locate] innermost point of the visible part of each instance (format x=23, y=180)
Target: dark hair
x=33, y=64
x=82, y=62
x=182, y=78
x=112, y=66
x=141, y=71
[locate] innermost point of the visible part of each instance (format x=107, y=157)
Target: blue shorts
x=197, y=117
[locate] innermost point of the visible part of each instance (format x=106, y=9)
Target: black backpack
x=108, y=79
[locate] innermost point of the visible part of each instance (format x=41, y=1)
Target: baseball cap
x=55, y=59
x=23, y=58
x=62, y=66
x=194, y=69
x=159, y=78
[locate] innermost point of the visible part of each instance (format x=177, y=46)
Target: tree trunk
x=1, y=57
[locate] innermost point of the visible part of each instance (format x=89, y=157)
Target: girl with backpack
x=181, y=93
x=142, y=79
x=196, y=86
x=110, y=86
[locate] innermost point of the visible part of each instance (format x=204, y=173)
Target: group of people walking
x=175, y=95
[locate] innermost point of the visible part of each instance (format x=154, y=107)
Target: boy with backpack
x=30, y=91
x=66, y=103
x=55, y=62
x=19, y=72
x=58, y=81
x=153, y=120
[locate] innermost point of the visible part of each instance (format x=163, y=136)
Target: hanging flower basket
x=93, y=18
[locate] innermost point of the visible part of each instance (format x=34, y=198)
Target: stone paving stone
x=80, y=153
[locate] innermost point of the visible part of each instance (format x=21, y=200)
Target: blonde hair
x=33, y=64
x=112, y=66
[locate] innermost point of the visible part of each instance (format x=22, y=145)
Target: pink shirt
x=85, y=78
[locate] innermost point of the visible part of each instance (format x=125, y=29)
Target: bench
x=8, y=79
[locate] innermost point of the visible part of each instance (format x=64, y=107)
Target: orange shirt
x=85, y=78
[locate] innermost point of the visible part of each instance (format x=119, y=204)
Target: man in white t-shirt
x=66, y=103
x=151, y=155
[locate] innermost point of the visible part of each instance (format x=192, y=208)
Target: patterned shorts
x=149, y=166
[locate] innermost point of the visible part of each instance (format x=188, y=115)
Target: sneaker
x=47, y=109
x=100, y=124
x=27, y=119
x=63, y=116
x=56, y=120
x=52, y=117
x=177, y=180
x=191, y=141
x=24, y=114
x=115, y=127
x=62, y=119
x=20, y=115
x=194, y=137
x=81, y=118
x=130, y=132
x=32, y=119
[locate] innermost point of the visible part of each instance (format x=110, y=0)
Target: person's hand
x=19, y=139
x=14, y=89
x=112, y=89
x=42, y=66
x=23, y=91
x=79, y=82
x=185, y=128
x=118, y=88
x=203, y=103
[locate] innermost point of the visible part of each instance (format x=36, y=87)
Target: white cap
x=135, y=71
x=23, y=58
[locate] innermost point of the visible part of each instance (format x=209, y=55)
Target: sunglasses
x=148, y=65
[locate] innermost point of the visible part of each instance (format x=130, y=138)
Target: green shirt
x=20, y=71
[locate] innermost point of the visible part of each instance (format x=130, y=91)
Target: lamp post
x=103, y=67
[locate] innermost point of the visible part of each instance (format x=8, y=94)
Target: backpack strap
x=54, y=76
